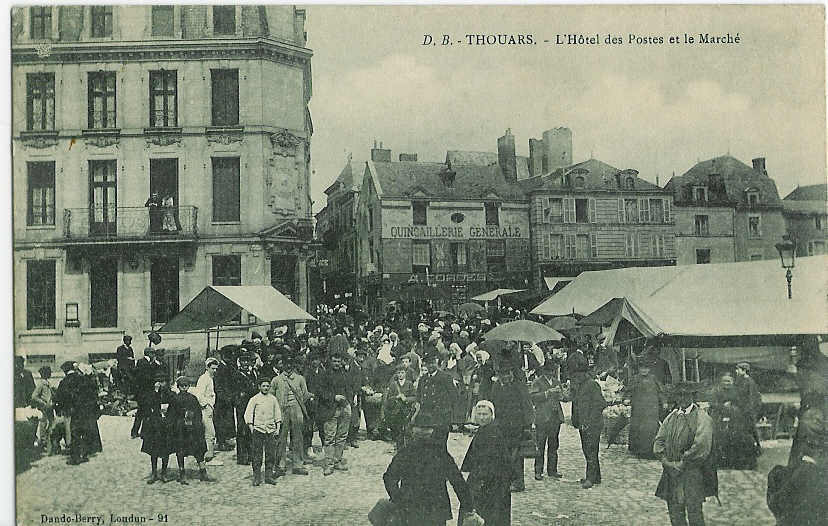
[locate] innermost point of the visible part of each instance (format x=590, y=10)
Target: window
x=569, y=246
x=103, y=197
x=41, y=23
x=40, y=294
x=101, y=21
x=699, y=193
x=553, y=247
x=756, y=257
x=224, y=20
x=631, y=210
x=579, y=181
x=421, y=254
x=458, y=255
x=492, y=216
x=102, y=99
x=702, y=256
x=702, y=225
x=568, y=210
x=643, y=210
x=816, y=248
x=496, y=255
x=162, y=21
x=163, y=99
x=418, y=209
x=225, y=83
x=581, y=210
x=593, y=244
x=553, y=212
x=227, y=272
x=753, y=197
x=103, y=288
x=40, y=101
x=630, y=245
x=657, y=210
x=582, y=249
x=370, y=218
x=754, y=226
x=657, y=245
x=163, y=289
x=283, y=274
x=629, y=183
x=226, y=191
x=41, y=184
x=818, y=222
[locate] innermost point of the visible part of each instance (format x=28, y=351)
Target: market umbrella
x=471, y=308
x=562, y=323
x=523, y=331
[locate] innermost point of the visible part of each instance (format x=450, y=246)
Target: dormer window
x=629, y=183
x=579, y=181
x=752, y=197
x=699, y=193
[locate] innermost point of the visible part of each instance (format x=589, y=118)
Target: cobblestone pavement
x=113, y=482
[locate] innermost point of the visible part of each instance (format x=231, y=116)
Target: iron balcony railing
x=130, y=222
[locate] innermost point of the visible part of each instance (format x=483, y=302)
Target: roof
x=753, y=303
x=599, y=176
x=350, y=177
x=805, y=207
x=457, y=157
x=812, y=192
x=494, y=294
x=405, y=178
x=216, y=305
x=736, y=177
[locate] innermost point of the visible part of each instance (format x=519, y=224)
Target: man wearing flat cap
x=683, y=444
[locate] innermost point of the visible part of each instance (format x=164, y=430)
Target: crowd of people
x=414, y=379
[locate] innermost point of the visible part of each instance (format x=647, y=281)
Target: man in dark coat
x=576, y=362
x=645, y=397
x=125, y=359
x=435, y=395
x=24, y=384
x=546, y=395
x=223, y=415
x=74, y=399
x=510, y=397
x=313, y=372
x=147, y=369
x=245, y=387
x=416, y=481
x=587, y=416
x=335, y=410
x=749, y=396
x=684, y=445
x=812, y=379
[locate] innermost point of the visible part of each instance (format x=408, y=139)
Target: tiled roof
x=350, y=177
x=736, y=177
x=599, y=176
x=457, y=157
x=812, y=192
x=401, y=179
x=804, y=207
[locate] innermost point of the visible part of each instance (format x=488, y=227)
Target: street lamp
x=787, y=253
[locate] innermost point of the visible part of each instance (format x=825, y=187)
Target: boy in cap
x=683, y=444
x=187, y=435
x=264, y=420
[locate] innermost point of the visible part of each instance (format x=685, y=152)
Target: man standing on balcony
x=154, y=204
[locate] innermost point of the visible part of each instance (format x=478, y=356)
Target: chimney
x=557, y=144
x=506, y=156
x=536, y=160
x=380, y=154
x=759, y=165
x=408, y=157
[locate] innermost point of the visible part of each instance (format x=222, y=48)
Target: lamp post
x=787, y=253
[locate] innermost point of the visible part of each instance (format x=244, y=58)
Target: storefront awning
x=215, y=306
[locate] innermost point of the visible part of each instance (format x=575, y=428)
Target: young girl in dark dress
x=187, y=430
x=156, y=431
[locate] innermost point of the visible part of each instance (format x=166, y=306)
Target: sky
x=657, y=108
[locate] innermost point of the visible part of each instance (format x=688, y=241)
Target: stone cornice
x=144, y=51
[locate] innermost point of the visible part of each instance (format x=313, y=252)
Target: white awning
x=215, y=306
x=551, y=282
x=494, y=294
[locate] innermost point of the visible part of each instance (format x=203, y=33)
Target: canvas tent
x=494, y=294
x=215, y=306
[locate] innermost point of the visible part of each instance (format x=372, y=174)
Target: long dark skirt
x=156, y=437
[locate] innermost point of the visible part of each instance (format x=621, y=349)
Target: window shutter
x=569, y=210
x=593, y=243
x=621, y=213
x=547, y=210
x=592, y=212
x=547, y=243
x=628, y=244
x=667, y=211
x=643, y=210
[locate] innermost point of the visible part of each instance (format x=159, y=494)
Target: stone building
x=441, y=232
x=593, y=216
x=726, y=211
x=806, y=218
x=156, y=150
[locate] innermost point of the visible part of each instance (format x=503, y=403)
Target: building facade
x=806, y=218
x=440, y=232
x=156, y=150
x=593, y=216
x=726, y=211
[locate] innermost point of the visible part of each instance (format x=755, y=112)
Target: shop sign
x=447, y=278
x=456, y=232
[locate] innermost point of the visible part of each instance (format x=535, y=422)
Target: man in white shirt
x=263, y=417
x=206, y=394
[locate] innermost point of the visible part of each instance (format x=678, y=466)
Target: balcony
x=130, y=224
